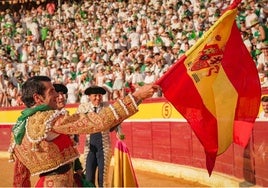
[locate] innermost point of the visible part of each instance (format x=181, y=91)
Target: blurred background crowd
x=119, y=45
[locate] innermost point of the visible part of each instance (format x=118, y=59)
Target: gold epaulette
x=40, y=124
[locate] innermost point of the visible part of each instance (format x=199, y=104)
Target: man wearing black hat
x=62, y=95
x=98, y=150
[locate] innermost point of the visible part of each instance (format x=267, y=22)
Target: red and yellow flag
x=216, y=87
x=124, y=175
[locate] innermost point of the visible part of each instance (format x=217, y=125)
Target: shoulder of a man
x=37, y=123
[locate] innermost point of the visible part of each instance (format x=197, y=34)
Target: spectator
x=3, y=98
x=264, y=104
x=83, y=85
x=263, y=62
x=250, y=16
x=119, y=80
x=73, y=91
x=12, y=94
x=137, y=78
x=129, y=88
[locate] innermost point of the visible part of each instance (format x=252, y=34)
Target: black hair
x=31, y=86
x=264, y=99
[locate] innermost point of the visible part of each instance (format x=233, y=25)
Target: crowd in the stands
x=118, y=45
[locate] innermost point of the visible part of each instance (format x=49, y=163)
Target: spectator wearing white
x=225, y=4
x=50, y=52
x=60, y=77
x=108, y=85
x=196, y=5
x=73, y=91
x=52, y=69
x=181, y=11
x=157, y=54
x=83, y=83
x=145, y=38
x=17, y=42
x=119, y=80
x=137, y=78
x=184, y=45
x=24, y=52
x=258, y=30
x=65, y=65
x=100, y=76
x=250, y=16
x=264, y=13
x=31, y=47
x=3, y=98
x=163, y=67
x=134, y=38
x=175, y=23
x=44, y=69
x=167, y=54
x=264, y=103
x=33, y=27
x=211, y=10
x=149, y=76
x=175, y=51
x=19, y=79
x=262, y=61
x=165, y=38
x=10, y=69
x=23, y=68
x=31, y=62
x=247, y=41
x=12, y=94
x=128, y=78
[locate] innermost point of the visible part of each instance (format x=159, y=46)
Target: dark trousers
x=95, y=158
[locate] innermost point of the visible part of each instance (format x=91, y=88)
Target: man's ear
x=38, y=99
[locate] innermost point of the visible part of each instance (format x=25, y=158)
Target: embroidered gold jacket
x=40, y=155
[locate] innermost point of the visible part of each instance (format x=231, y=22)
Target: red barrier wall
x=174, y=142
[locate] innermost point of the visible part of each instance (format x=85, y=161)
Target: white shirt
x=137, y=77
x=72, y=92
x=261, y=116
x=263, y=61
x=149, y=79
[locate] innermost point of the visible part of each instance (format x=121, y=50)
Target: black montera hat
x=95, y=90
x=60, y=88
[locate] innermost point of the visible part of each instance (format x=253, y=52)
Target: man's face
x=50, y=96
x=61, y=99
x=265, y=51
x=265, y=106
x=95, y=99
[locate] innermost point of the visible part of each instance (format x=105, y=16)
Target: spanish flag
x=123, y=175
x=215, y=86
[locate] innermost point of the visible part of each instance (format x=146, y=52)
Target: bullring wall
x=159, y=133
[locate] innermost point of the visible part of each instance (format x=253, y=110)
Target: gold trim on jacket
x=40, y=155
